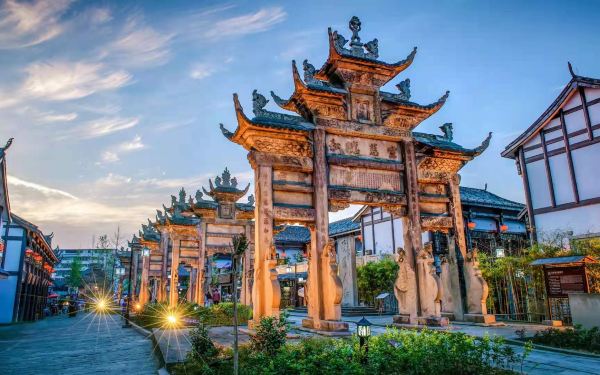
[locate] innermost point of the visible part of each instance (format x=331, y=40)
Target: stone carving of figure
x=234, y=182
x=431, y=294
x=337, y=289
x=354, y=26
x=447, y=130
x=259, y=102
x=218, y=181
x=251, y=200
x=404, y=88
x=182, y=196
x=309, y=71
x=477, y=287
x=226, y=178
x=198, y=196
x=173, y=200
x=340, y=42
x=405, y=287
x=372, y=48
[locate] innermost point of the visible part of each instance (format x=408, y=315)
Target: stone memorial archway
x=353, y=143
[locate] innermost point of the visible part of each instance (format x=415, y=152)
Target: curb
x=553, y=349
x=155, y=347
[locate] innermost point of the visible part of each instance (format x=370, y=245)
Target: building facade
x=30, y=262
x=26, y=261
x=89, y=260
x=4, y=207
x=557, y=159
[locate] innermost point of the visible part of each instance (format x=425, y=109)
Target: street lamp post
x=363, y=331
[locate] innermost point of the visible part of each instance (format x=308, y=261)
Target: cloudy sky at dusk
x=115, y=105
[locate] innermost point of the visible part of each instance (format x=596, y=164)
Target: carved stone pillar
x=428, y=288
x=134, y=276
x=173, y=288
x=266, y=293
x=143, y=298
x=164, y=246
x=200, y=289
x=476, y=286
x=246, y=294
x=451, y=302
x=324, y=285
x=190, y=295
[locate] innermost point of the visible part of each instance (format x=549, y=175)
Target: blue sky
x=114, y=105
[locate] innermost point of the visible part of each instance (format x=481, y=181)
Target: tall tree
x=75, y=278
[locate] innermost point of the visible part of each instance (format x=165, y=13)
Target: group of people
x=212, y=298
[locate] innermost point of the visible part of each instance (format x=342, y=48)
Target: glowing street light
x=172, y=321
x=101, y=305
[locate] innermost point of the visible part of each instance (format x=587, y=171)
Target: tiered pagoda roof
x=189, y=211
x=351, y=67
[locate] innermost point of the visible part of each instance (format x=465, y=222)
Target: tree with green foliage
x=75, y=278
x=375, y=278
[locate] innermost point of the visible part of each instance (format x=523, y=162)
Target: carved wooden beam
x=293, y=214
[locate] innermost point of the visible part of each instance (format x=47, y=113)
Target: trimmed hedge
x=395, y=352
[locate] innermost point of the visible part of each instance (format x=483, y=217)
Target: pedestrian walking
x=208, y=299
x=216, y=297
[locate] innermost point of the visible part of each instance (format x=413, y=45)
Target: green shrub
x=203, y=349
x=573, y=338
x=394, y=352
x=375, y=278
x=222, y=314
x=270, y=335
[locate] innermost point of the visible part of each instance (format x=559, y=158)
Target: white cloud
x=250, y=23
x=46, y=191
x=109, y=157
x=202, y=70
x=133, y=145
x=139, y=45
x=57, y=117
x=113, y=154
x=65, y=80
x=24, y=23
x=99, y=16
x=101, y=127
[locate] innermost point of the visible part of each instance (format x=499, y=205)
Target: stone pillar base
x=404, y=319
x=449, y=315
x=480, y=318
x=434, y=321
x=325, y=325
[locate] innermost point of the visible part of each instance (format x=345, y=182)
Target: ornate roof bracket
x=483, y=146
x=404, y=114
x=225, y=132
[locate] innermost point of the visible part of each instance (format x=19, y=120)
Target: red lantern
x=503, y=228
x=1, y=246
x=471, y=225
x=28, y=252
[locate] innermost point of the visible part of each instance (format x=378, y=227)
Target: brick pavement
x=73, y=346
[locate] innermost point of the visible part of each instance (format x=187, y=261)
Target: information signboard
x=561, y=281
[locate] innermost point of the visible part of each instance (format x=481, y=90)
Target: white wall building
x=558, y=158
x=101, y=258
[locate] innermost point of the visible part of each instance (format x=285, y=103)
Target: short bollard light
x=363, y=331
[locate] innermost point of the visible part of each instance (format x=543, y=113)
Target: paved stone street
x=69, y=346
